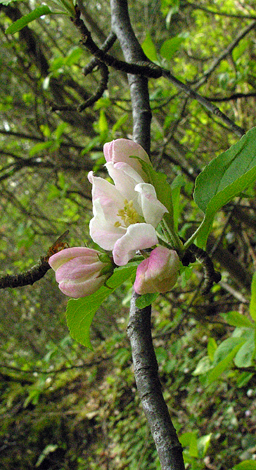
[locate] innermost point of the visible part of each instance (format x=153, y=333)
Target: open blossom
x=126, y=213
x=158, y=273
x=80, y=271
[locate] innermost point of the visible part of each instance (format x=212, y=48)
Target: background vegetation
x=63, y=406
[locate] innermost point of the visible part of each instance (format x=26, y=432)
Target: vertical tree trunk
x=139, y=328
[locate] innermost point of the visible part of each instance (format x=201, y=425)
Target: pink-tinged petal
x=102, y=227
x=121, y=150
x=110, y=198
x=125, y=179
x=158, y=273
x=79, y=270
x=83, y=289
x=137, y=237
x=152, y=209
x=58, y=259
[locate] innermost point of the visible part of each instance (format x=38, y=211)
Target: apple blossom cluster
x=126, y=214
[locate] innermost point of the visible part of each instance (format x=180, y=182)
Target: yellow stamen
x=128, y=215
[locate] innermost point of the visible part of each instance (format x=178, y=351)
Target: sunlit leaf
x=246, y=353
x=170, y=46
x=40, y=146
x=211, y=348
x=74, y=55
x=25, y=20
x=145, y=300
x=149, y=48
x=253, y=298
x=245, y=465
x=203, y=444
x=236, y=319
x=224, y=364
x=224, y=178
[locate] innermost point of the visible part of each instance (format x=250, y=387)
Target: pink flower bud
x=158, y=273
x=80, y=271
x=120, y=151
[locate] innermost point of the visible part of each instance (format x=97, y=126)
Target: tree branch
x=149, y=388
x=36, y=272
x=138, y=64
x=197, y=6
x=139, y=328
x=225, y=53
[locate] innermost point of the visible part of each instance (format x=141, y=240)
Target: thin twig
x=225, y=53
x=204, y=102
x=197, y=6
x=142, y=66
x=35, y=273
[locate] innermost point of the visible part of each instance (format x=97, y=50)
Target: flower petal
x=56, y=260
x=158, y=273
x=152, y=209
x=137, y=237
x=110, y=198
x=79, y=269
x=125, y=179
x=121, y=150
x=102, y=227
x=81, y=289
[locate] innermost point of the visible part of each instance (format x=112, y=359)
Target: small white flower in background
x=80, y=271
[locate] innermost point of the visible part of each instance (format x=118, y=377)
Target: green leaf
x=119, y=123
x=80, y=312
x=190, y=439
x=211, y=348
x=245, y=465
x=74, y=55
x=203, y=366
x=246, y=353
x=226, y=347
x=145, y=300
x=176, y=186
x=6, y=2
x=253, y=298
x=223, y=365
x=103, y=123
x=60, y=129
x=236, y=319
x=40, y=146
x=203, y=444
x=47, y=450
x=243, y=379
x=224, y=178
x=170, y=46
x=33, y=15
x=149, y=48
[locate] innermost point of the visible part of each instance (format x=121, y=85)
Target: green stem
x=172, y=236
x=193, y=237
